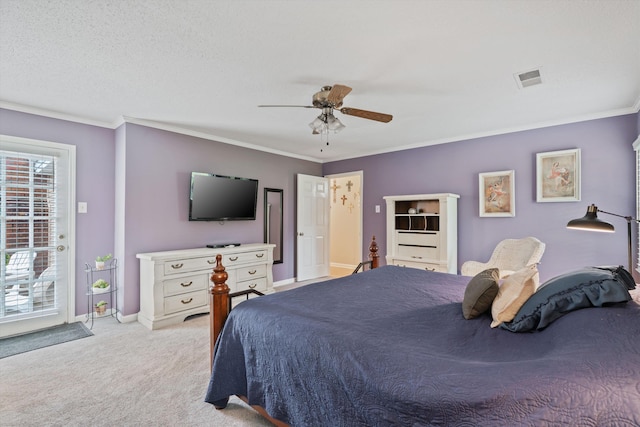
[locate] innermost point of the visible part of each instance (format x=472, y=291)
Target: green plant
x=104, y=258
x=7, y=257
x=101, y=303
x=100, y=283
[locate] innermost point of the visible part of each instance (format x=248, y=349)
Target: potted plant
x=100, y=286
x=101, y=308
x=100, y=261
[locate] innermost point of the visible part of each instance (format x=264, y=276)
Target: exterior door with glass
x=36, y=231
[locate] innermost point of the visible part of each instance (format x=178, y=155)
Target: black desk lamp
x=590, y=222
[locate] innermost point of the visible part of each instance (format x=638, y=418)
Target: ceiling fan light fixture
x=318, y=125
x=329, y=99
x=334, y=124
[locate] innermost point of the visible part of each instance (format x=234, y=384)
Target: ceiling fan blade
x=337, y=94
x=300, y=106
x=371, y=115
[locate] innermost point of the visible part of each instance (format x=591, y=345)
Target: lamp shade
x=591, y=222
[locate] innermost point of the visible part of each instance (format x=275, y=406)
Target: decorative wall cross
x=351, y=207
x=344, y=199
x=334, y=187
x=349, y=185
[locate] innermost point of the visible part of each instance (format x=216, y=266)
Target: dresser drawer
x=423, y=239
x=418, y=252
x=229, y=260
x=259, y=284
x=185, y=301
x=251, y=272
x=419, y=265
x=186, y=284
x=187, y=265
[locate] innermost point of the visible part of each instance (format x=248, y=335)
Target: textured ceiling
x=444, y=69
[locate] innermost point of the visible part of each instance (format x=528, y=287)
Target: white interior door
x=36, y=230
x=312, y=255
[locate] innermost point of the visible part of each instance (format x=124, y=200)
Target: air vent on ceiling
x=528, y=78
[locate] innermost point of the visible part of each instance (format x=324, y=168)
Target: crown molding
x=54, y=114
x=211, y=137
x=204, y=135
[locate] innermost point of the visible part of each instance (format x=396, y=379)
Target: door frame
x=27, y=145
x=360, y=174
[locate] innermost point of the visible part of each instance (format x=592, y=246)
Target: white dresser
x=175, y=284
x=422, y=231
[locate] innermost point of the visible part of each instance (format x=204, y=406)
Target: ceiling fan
x=328, y=99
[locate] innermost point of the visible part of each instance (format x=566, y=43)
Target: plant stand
x=109, y=273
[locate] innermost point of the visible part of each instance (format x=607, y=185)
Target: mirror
x=273, y=221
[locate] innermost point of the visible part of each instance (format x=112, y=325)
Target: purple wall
x=94, y=182
x=158, y=171
x=608, y=180
x=154, y=169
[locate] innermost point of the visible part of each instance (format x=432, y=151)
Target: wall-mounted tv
x=222, y=198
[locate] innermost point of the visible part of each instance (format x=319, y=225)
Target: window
x=27, y=233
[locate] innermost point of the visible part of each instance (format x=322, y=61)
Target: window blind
x=27, y=234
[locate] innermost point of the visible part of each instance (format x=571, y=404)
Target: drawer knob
x=187, y=301
x=253, y=271
x=177, y=266
x=259, y=255
x=253, y=285
x=210, y=261
x=430, y=269
x=186, y=285
x=415, y=256
x=233, y=259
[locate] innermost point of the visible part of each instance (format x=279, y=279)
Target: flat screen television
x=222, y=198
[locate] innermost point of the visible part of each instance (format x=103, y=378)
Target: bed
x=390, y=346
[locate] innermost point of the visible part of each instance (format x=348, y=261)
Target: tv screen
x=222, y=198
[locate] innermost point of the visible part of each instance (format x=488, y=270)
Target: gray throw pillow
x=480, y=293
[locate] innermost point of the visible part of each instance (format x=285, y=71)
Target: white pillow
x=513, y=293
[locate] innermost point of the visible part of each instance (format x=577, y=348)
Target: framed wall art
x=558, y=176
x=497, y=193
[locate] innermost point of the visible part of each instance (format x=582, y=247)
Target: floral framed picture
x=497, y=193
x=558, y=176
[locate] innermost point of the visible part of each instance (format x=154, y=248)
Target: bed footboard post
x=218, y=304
x=373, y=253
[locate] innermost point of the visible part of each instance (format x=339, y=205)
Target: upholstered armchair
x=509, y=255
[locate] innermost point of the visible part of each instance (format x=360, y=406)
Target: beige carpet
x=124, y=375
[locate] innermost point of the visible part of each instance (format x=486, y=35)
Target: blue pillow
x=588, y=287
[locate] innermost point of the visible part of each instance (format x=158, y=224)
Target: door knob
x=60, y=248
x=301, y=234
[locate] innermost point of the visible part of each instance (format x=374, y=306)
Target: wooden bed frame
x=219, y=300
x=220, y=306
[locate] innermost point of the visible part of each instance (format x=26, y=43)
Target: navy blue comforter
x=390, y=347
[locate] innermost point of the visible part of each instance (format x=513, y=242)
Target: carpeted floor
x=125, y=375
x=44, y=338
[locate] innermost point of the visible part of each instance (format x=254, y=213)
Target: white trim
x=636, y=147
x=205, y=135
x=360, y=174
x=284, y=282
x=503, y=131
x=172, y=128
x=55, y=115
x=39, y=146
x=130, y=318
x=344, y=266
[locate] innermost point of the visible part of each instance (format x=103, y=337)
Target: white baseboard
x=284, y=282
x=345, y=266
x=123, y=319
